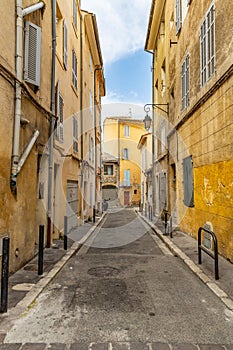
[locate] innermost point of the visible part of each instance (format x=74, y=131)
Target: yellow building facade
x=192, y=60
x=121, y=136
x=47, y=78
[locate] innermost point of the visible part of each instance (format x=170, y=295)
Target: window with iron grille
x=65, y=52
x=185, y=76
x=32, y=53
x=75, y=134
x=59, y=113
x=74, y=70
x=207, y=46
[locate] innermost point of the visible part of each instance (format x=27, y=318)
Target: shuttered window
x=188, y=182
x=185, y=76
x=75, y=14
x=162, y=191
x=126, y=177
x=59, y=113
x=32, y=53
x=65, y=52
x=207, y=46
x=125, y=153
x=75, y=134
x=178, y=15
x=74, y=70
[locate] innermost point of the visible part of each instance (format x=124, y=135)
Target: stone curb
x=228, y=302
x=24, y=305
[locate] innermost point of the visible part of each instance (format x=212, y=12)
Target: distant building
x=145, y=147
x=121, y=135
x=191, y=42
x=110, y=175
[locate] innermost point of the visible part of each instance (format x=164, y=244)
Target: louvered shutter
x=32, y=53
x=178, y=16
x=58, y=109
x=65, y=52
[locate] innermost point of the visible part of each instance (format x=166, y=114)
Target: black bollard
x=65, y=232
x=94, y=214
x=41, y=250
x=5, y=273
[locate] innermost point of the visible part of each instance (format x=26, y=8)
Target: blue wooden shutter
x=188, y=182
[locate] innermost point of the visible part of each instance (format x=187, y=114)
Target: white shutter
x=32, y=53
x=65, y=52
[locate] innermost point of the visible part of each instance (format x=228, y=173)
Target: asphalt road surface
x=125, y=286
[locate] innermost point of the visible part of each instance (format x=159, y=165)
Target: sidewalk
x=26, y=279
x=185, y=247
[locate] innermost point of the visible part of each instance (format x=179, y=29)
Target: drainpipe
x=27, y=150
x=95, y=138
x=18, y=99
x=18, y=67
x=51, y=141
x=32, y=8
x=81, y=114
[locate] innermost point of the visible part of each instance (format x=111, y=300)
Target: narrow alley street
x=123, y=290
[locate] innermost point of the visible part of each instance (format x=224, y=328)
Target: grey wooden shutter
x=58, y=109
x=178, y=16
x=65, y=52
x=188, y=182
x=163, y=191
x=32, y=53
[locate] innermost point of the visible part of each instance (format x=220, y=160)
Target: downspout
x=95, y=138
x=27, y=150
x=18, y=96
x=81, y=113
x=51, y=136
x=17, y=113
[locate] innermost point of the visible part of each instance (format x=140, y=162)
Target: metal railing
x=213, y=255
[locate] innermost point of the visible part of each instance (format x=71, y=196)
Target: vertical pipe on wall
x=51, y=136
x=17, y=113
x=81, y=114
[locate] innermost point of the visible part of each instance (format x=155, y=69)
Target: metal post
x=165, y=222
x=94, y=214
x=65, y=232
x=41, y=250
x=5, y=272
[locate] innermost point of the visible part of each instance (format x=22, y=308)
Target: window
x=163, y=137
x=59, y=113
x=65, y=53
x=135, y=191
x=126, y=177
x=126, y=130
x=75, y=14
x=178, y=15
x=125, y=153
x=32, y=53
x=108, y=169
x=185, y=76
x=91, y=148
x=91, y=104
x=207, y=46
x=74, y=70
x=188, y=181
x=75, y=134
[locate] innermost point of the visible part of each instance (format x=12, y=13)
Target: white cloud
x=122, y=25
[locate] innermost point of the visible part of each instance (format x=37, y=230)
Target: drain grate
x=103, y=271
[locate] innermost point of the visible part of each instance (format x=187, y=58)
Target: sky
x=122, y=27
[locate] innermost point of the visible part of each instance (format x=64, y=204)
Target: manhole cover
x=103, y=271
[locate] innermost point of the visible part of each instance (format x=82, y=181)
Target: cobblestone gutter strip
x=27, y=302
x=193, y=267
